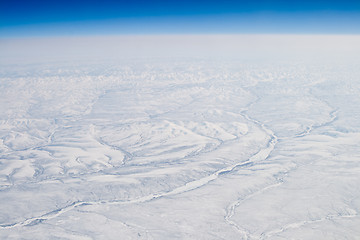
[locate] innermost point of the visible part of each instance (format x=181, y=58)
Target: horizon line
x=52, y=36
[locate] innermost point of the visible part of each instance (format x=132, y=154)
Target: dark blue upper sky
x=94, y=17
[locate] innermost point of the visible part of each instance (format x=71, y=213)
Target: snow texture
x=202, y=141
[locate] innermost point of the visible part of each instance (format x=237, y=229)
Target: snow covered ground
x=202, y=141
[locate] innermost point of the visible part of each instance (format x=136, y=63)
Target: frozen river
x=188, y=147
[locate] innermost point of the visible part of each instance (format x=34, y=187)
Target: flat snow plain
x=200, y=142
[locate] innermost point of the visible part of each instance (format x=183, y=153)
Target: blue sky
x=48, y=18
